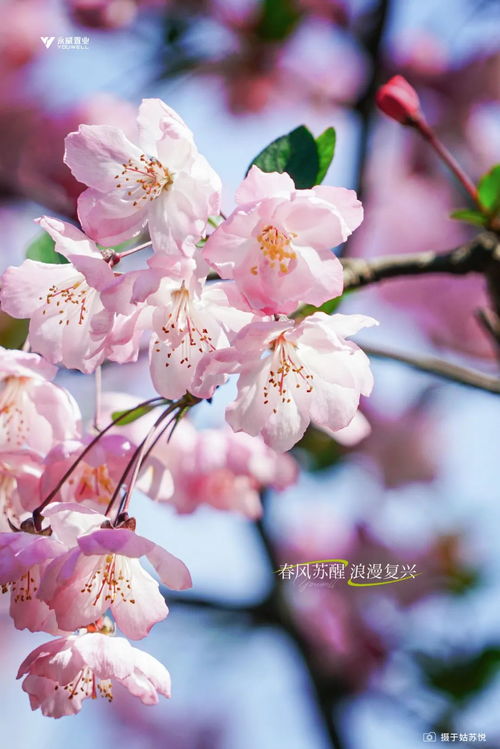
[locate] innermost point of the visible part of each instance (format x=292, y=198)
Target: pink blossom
x=20, y=472
x=33, y=411
x=277, y=243
x=163, y=182
x=64, y=672
x=95, y=478
x=23, y=561
x=406, y=447
x=22, y=25
x=103, y=571
x=103, y=14
x=68, y=324
x=216, y=467
x=189, y=318
x=290, y=375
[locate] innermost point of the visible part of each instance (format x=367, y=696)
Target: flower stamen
x=275, y=245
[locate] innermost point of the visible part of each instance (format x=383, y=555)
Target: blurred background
x=256, y=662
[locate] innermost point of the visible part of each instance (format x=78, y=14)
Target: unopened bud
x=399, y=100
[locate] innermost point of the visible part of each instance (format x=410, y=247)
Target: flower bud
x=399, y=100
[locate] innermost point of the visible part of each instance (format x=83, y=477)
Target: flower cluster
x=214, y=305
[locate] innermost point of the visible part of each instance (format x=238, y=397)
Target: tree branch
x=482, y=255
x=370, y=38
x=326, y=690
x=440, y=368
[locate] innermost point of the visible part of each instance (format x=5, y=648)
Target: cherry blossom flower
x=190, y=319
x=290, y=375
x=95, y=478
x=61, y=674
x=103, y=571
x=20, y=472
x=163, y=182
x=68, y=324
x=216, y=467
x=33, y=411
x=23, y=561
x=277, y=243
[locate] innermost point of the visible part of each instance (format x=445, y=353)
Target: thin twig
x=490, y=322
x=135, y=455
x=37, y=513
x=98, y=394
x=132, y=250
x=430, y=136
x=138, y=462
x=439, y=368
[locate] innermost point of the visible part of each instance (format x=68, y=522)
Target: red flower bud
x=399, y=100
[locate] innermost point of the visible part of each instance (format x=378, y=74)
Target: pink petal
x=96, y=154
x=115, y=541
x=71, y=519
x=345, y=201
x=137, y=615
x=258, y=185
x=44, y=650
x=108, y=657
x=54, y=703
x=57, y=660
x=108, y=219
x=24, y=288
x=353, y=433
x=69, y=240
x=172, y=571
x=157, y=120
x=59, y=408
x=22, y=364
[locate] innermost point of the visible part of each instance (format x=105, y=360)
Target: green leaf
x=42, y=249
x=317, y=451
x=14, y=331
x=488, y=190
x=470, y=216
x=278, y=19
x=128, y=418
x=295, y=153
x=325, y=144
x=464, y=676
x=328, y=307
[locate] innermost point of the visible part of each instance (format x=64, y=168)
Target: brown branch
x=440, y=368
x=327, y=690
x=482, y=255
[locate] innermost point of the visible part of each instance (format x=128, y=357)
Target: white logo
x=47, y=40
